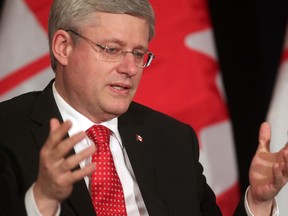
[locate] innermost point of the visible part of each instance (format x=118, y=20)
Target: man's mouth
x=121, y=87
x=117, y=87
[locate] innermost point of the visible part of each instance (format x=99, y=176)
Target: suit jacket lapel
x=138, y=142
x=45, y=108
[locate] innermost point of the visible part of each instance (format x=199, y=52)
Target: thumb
x=264, y=137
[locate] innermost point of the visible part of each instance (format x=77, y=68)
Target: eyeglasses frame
x=151, y=55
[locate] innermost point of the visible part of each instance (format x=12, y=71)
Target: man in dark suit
x=98, y=52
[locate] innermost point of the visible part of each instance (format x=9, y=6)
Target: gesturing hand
x=56, y=177
x=268, y=173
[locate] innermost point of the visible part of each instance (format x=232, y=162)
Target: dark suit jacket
x=165, y=163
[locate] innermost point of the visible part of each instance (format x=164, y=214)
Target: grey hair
x=71, y=14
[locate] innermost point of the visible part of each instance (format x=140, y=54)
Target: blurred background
x=248, y=49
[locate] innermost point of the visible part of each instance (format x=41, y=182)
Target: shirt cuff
x=30, y=204
x=275, y=211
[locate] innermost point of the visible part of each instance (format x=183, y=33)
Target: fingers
x=65, y=146
x=56, y=144
x=57, y=132
x=285, y=169
x=280, y=171
x=56, y=160
x=264, y=137
x=81, y=173
x=74, y=160
x=65, y=169
x=54, y=152
x=278, y=176
x=56, y=175
x=59, y=148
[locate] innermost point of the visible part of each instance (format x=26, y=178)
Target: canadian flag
x=24, y=55
x=278, y=117
x=184, y=80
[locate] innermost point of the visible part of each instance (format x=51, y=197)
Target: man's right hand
x=56, y=175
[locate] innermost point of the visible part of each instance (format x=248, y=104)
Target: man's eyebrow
x=122, y=43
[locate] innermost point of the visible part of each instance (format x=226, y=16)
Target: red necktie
x=105, y=186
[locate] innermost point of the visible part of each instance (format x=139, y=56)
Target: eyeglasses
x=142, y=58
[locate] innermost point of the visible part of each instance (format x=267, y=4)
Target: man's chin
x=118, y=109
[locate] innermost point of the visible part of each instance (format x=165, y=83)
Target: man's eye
x=137, y=54
x=112, y=50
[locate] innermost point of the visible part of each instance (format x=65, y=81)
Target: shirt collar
x=79, y=121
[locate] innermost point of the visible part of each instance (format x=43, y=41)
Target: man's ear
x=62, y=46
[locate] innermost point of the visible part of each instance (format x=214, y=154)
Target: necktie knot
x=99, y=134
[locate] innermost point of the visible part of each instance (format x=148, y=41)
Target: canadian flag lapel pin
x=139, y=138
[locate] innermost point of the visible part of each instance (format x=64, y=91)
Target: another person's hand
x=56, y=175
x=268, y=174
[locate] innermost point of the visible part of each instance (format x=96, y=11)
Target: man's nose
x=127, y=65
